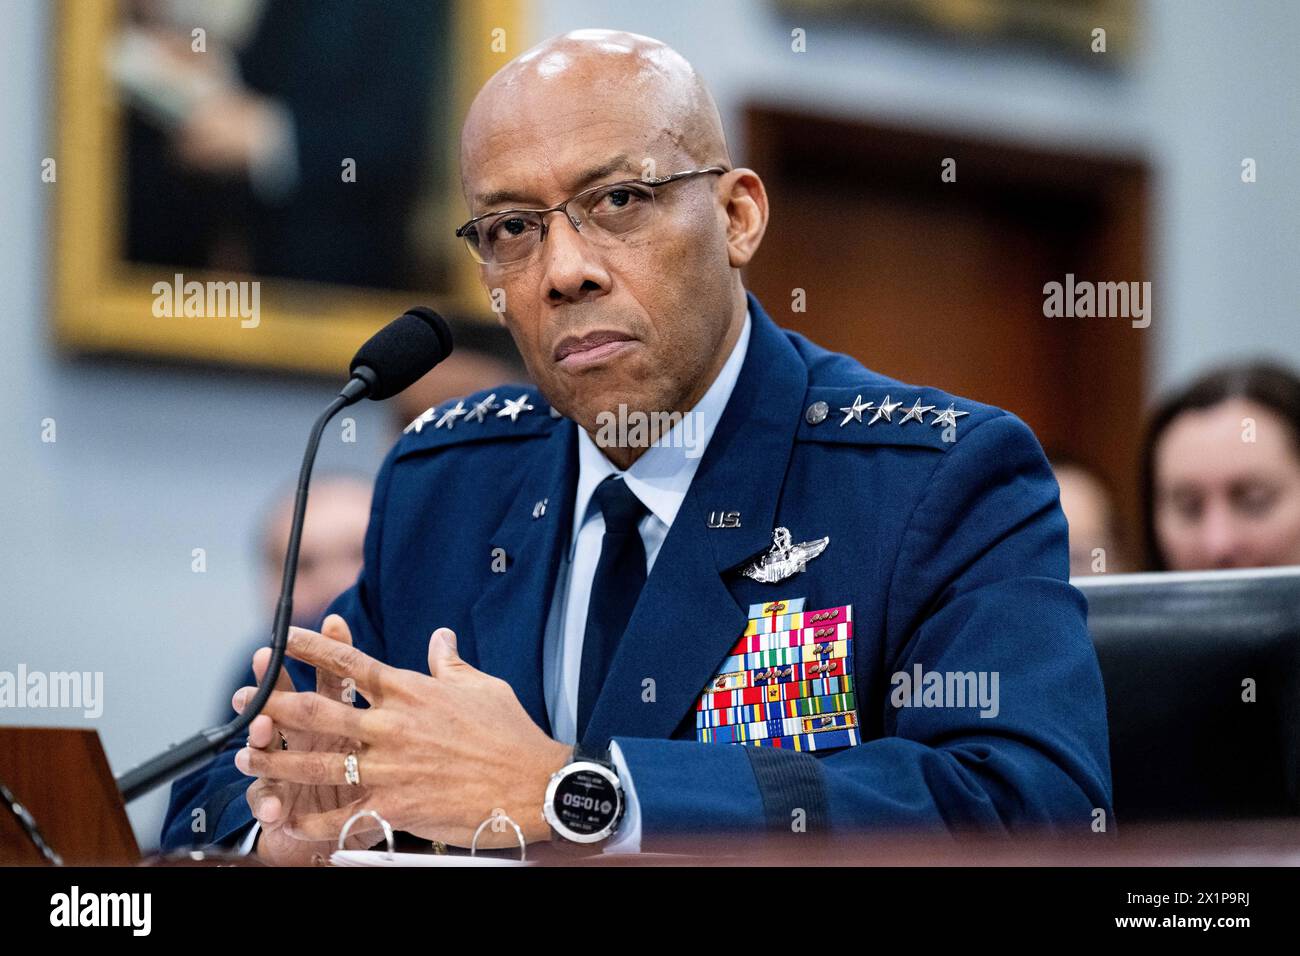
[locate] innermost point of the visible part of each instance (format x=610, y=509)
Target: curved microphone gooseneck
x=393, y=358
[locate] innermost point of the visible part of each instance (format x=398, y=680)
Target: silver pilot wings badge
x=784, y=559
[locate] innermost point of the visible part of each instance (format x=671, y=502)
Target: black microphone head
x=403, y=351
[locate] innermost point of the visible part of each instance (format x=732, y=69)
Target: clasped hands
x=436, y=753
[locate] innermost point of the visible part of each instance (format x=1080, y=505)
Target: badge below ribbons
x=788, y=682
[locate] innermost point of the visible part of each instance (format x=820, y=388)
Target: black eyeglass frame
x=461, y=233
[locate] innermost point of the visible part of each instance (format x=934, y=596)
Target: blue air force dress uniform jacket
x=745, y=689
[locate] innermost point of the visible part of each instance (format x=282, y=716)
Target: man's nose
x=1223, y=540
x=572, y=267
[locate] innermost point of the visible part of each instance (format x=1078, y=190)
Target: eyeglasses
x=608, y=210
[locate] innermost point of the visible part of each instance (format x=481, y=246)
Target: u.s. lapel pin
x=784, y=559
x=724, y=519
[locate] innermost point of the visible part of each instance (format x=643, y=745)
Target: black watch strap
x=601, y=757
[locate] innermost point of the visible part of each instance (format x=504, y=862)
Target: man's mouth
x=576, y=351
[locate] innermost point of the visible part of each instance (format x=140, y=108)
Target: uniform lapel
x=510, y=615
x=687, y=619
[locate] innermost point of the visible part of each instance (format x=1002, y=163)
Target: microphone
x=391, y=359
x=399, y=354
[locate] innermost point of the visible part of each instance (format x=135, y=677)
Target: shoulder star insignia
x=420, y=421
x=784, y=559
x=450, y=415
x=885, y=410
x=481, y=409
x=854, y=412
x=514, y=406
x=948, y=416
x=916, y=413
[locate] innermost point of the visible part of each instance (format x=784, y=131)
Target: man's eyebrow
x=498, y=196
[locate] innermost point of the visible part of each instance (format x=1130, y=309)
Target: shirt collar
x=662, y=475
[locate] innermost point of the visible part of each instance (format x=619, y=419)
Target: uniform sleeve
x=207, y=806
x=980, y=586
x=218, y=787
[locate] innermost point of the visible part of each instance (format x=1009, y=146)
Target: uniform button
x=816, y=413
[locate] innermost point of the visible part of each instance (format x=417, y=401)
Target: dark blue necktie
x=620, y=575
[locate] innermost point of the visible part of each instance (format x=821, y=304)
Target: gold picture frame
x=102, y=303
x=1060, y=27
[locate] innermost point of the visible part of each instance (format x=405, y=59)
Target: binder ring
x=523, y=844
x=388, y=830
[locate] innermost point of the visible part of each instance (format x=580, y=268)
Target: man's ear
x=746, y=208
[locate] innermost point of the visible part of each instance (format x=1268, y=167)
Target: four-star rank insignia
x=482, y=410
x=787, y=682
x=885, y=411
x=784, y=559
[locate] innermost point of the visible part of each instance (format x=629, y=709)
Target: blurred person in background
x=331, y=554
x=1097, y=542
x=1220, y=471
x=329, y=561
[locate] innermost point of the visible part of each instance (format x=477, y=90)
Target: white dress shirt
x=660, y=479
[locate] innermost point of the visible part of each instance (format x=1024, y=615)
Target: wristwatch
x=584, y=800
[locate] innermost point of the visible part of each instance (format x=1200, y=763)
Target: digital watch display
x=584, y=801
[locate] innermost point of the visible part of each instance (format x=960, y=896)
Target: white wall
x=97, y=528
x=1224, y=84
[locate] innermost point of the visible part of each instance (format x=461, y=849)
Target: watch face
x=585, y=802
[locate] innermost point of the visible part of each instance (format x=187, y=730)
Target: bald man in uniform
x=703, y=577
